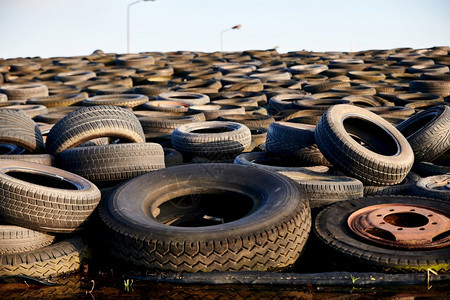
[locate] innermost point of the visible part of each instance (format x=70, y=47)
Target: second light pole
x=223, y=31
x=128, y=21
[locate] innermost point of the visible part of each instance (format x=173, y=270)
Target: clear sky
x=50, y=28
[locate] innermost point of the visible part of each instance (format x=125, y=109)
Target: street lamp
x=128, y=21
x=223, y=31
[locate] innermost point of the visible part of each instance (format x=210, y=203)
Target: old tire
x=363, y=145
x=213, y=140
x=44, y=198
x=53, y=260
x=332, y=229
x=269, y=236
x=15, y=239
x=428, y=132
x=93, y=122
x=115, y=162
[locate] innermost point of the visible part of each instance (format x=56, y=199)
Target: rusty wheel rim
x=402, y=226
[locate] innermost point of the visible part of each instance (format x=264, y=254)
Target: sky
x=50, y=28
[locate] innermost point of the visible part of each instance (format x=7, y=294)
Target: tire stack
x=355, y=133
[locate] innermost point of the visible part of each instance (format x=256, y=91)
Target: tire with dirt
x=44, y=198
x=206, y=217
x=18, y=129
x=43, y=159
x=323, y=189
x=53, y=260
x=437, y=187
x=114, y=162
x=379, y=246
x=403, y=188
x=363, y=145
x=294, y=141
x=213, y=140
x=15, y=239
x=428, y=133
x=93, y=122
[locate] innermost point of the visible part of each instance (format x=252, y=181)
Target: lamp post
x=223, y=31
x=128, y=21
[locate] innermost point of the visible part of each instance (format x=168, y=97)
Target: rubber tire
x=123, y=100
x=24, y=91
x=114, y=162
x=353, y=159
x=93, y=122
x=254, y=120
x=323, y=189
x=270, y=237
x=403, y=188
x=172, y=157
x=43, y=159
x=18, y=129
x=15, y=239
x=45, y=208
x=54, y=260
x=331, y=228
x=60, y=100
x=437, y=187
x=260, y=159
x=428, y=132
x=213, y=146
x=294, y=141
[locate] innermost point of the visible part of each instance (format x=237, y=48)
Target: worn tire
x=18, y=129
x=15, y=239
x=112, y=163
x=437, y=187
x=60, y=100
x=45, y=198
x=389, y=157
x=323, y=189
x=294, y=141
x=43, y=159
x=93, y=122
x=428, y=132
x=123, y=100
x=269, y=237
x=403, y=188
x=214, y=140
x=53, y=260
x=332, y=230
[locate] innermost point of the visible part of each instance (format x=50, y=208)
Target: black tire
x=284, y=101
x=438, y=87
x=30, y=110
x=112, y=163
x=24, y=91
x=323, y=189
x=123, y=100
x=249, y=120
x=18, y=129
x=263, y=160
x=43, y=159
x=344, y=132
x=45, y=198
x=269, y=236
x=214, y=111
x=53, y=260
x=403, y=188
x=332, y=229
x=294, y=141
x=318, y=104
x=60, y=100
x=428, y=132
x=185, y=97
x=429, y=169
x=93, y=122
x=9, y=149
x=15, y=239
x=166, y=106
x=172, y=157
x=437, y=187
x=163, y=126
x=213, y=140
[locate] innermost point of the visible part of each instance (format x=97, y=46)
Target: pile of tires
x=227, y=161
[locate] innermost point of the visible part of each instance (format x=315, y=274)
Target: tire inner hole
x=44, y=180
x=196, y=210
x=371, y=136
x=213, y=130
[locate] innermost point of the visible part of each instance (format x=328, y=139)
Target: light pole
x=128, y=21
x=223, y=31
